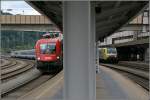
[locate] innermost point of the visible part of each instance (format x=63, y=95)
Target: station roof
x=128, y=44
x=110, y=16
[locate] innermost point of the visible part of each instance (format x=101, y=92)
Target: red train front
x=49, y=54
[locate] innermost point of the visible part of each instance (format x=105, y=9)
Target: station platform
x=113, y=86
x=110, y=85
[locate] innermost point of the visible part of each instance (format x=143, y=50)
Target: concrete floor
x=110, y=86
x=113, y=86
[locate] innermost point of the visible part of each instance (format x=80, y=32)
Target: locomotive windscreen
x=112, y=50
x=48, y=48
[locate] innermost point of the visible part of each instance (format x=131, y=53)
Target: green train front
x=108, y=54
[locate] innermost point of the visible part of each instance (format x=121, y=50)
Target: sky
x=18, y=7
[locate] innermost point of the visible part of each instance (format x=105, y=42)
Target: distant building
x=126, y=36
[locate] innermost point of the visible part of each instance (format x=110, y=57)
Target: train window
x=47, y=48
x=56, y=34
x=103, y=50
x=111, y=50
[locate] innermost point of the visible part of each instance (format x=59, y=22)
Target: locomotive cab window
x=47, y=48
x=56, y=34
x=112, y=50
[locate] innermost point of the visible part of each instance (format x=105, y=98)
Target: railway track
x=137, y=74
x=135, y=65
x=47, y=90
x=4, y=62
x=19, y=81
x=19, y=76
x=14, y=68
x=26, y=87
x=12, y=71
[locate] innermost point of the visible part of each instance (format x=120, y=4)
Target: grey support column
x=79, y=50
x=92, y=54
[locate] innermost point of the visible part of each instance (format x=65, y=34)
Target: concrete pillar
x=79, y=50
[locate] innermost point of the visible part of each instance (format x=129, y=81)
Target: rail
x=138, y=75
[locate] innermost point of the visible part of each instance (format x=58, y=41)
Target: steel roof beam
x=135, y=27
x=108, y=27
x=108, y=22
x=114, y=11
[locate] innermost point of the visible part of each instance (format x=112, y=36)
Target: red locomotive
x=48, y=52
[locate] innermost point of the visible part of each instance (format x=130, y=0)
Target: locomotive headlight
x=38, y=58
x=57, y=57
